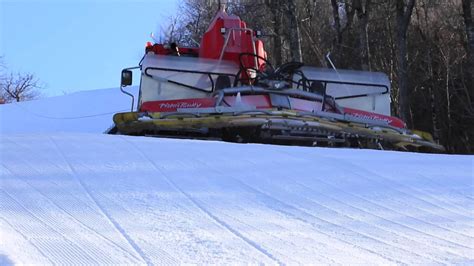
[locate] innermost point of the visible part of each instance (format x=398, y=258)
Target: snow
x=82, y=197
x=85, y=111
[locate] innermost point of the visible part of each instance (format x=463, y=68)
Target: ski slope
x=82, y=197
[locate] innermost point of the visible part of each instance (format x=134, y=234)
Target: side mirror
x=127, y=78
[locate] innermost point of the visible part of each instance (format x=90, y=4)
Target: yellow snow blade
x=135, y=123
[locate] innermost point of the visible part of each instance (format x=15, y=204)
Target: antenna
x=337, y=73
x=330, y=61
x=152, y=36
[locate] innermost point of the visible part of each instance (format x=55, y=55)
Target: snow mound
x=90, y=198
x=86, y=111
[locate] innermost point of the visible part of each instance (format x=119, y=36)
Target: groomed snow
x=90, y=198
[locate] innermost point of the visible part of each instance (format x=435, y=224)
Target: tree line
x=425, y=47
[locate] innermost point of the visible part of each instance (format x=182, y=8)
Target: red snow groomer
x=227, y=89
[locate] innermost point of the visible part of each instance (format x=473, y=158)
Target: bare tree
x=404, y=10
x=342, y=17
x=171, y=32
x=295, y=35
x=2, y=66
x=363, y=12
x=275, y=8
x=2, y=79
x=20, y=87
x=337, y=19
x=467, y=14
x=2, y=69
x=195, y=18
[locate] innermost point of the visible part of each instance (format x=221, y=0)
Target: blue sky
x=80, y=44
